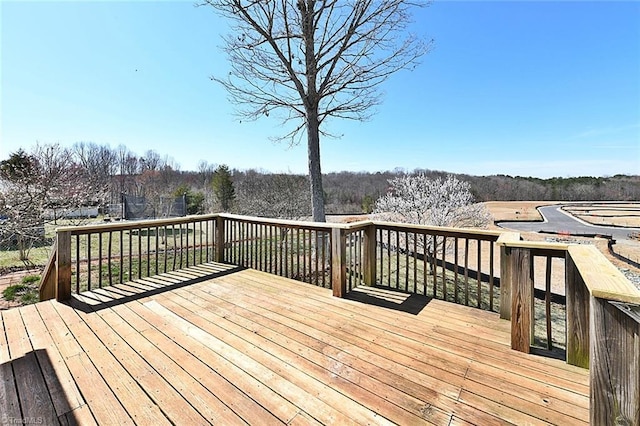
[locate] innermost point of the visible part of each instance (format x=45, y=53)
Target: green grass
x=26, y=292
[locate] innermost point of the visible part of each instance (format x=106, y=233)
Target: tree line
x=90, y=174
x=37, y=185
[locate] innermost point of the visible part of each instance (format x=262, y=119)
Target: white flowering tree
x=426, y=201
x=423, y=200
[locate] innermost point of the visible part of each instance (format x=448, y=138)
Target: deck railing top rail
x=603, y=280
x=128, y=225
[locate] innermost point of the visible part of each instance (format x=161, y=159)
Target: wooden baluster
x=491, y=274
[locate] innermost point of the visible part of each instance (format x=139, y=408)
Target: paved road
x=555, y=220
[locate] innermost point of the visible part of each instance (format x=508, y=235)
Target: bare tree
x=309, y=60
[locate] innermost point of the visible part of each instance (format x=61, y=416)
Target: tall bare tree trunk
x=315, y=173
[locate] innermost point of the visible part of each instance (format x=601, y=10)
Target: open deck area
x=219, y=344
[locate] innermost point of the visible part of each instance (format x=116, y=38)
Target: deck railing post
x=369, y=254
x=505, y=282
x=615, y=368
x=219, y=244
x=577, y=311
x=338, y=262
x=521, y=265
x=63, y=266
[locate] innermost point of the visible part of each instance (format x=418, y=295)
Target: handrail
x=603, y=280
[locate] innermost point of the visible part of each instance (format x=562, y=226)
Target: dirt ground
x=13, y=278
x=516, y=210
x=608, y=214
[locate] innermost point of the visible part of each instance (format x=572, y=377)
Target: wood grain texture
x=521, y=266
x=338, y=262
x=63, y=266
x=578, y=302
x=603, y=280
x=615, y=366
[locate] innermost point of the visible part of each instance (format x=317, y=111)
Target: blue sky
x=545, y=88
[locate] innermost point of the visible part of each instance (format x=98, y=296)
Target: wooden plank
x=104, y=405
x=554, y=405
x=506, y=280
x=496, y=396
x=9, y=404
x=615, y=366
x=148, y=368
x=64, y=393
x=499, y=359
x=216, y=398
x=35, y=401
x=507, y=414
x=137, y=403
x=433, y=334
x=430, y=371
x=307, y=401
x=410, y=374
x=339, y=362
x=475, y=415
x=169, y=336
x=362, y=388
x=47, y=289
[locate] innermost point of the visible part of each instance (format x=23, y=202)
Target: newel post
x=63, y=266
x=219, y=240
x=505, y=282
x=369, y=255
x=338, y=262
x=521, y=266
x=578, y=311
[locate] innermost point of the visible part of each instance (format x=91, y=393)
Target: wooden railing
x=293, y=249
x=89, y=257
x=489, y=270
x=602, y=317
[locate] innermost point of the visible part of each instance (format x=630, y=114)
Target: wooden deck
x=246, y=347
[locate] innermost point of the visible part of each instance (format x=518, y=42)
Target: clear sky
x=541, y=88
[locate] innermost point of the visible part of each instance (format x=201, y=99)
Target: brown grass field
x=516, y=210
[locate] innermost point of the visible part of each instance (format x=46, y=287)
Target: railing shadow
x=391, y=299
x=33, y=393
x=107, y=297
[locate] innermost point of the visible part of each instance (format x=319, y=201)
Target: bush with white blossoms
x=426, y=201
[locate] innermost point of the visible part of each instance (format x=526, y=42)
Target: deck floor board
x=228, y=345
